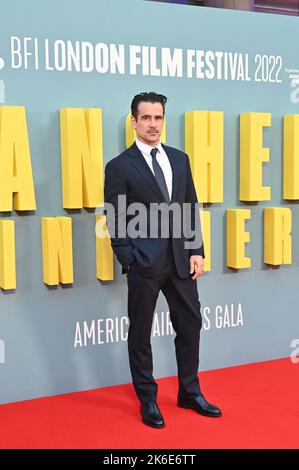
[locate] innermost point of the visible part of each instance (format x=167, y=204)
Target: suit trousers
x=185, y=315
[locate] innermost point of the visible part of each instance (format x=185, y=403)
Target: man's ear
x=133, y=122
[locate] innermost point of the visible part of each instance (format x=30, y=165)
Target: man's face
x=149, y=122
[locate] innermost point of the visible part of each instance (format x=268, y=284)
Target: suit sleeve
x=115, y=185
x=191, y=197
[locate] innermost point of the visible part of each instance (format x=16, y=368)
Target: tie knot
x=154, y=152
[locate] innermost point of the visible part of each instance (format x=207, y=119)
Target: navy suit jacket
x=129, y=174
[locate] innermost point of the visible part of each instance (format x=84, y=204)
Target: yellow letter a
x=16, y=180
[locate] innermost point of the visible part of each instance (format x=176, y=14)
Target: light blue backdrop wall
x=37, y=323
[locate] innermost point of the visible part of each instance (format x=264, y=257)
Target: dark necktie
x=159, y=175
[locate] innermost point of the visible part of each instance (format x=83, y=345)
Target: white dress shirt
x=162, y=159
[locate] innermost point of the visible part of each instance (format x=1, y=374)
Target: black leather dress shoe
x=200, y=405
x=151, y=415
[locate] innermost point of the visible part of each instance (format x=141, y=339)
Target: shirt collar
x=144, y=148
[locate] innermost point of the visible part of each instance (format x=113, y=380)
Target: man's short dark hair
x=149, y=97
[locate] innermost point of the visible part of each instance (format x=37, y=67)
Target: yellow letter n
x=81, y=158
x=57, y=250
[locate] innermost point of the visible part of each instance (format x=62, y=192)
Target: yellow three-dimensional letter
x=16, y=180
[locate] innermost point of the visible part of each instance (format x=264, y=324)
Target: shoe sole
x=156, y=426
x=209, y=415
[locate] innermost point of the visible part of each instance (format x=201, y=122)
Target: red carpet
x=259, y=402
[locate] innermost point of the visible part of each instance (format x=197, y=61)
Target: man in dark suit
x=153, y=179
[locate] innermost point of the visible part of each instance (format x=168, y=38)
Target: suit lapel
x=141, y=165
